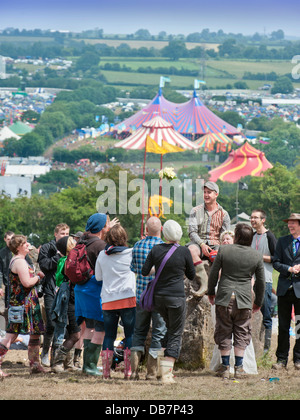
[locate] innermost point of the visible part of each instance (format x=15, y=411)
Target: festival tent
x=193, y=118
x=158, y=107
x=240, y=163
x=20, y=128
x=7, y=133
x=158, y=129
x=209, y=140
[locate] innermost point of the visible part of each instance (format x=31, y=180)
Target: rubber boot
x=268, y=337
x=92, y=358
x=166, y=367
x=45, y=361
x=151, y=368
x=135, y=359
x=3, y=351
x=202, y=279
x=160, y=355
x=34, y=356
x=86, y=343
x=107, y=356
x=59, y=359
x=127, y=364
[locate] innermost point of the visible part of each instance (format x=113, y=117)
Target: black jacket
x=48, y=259
x=171, y=279
x=283, y=260
x=5, y=257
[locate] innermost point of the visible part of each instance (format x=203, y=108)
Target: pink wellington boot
x=127, y=363
x=107, y=356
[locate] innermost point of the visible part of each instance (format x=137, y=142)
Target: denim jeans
x=266, y=308
x=142, y=325
x=111, y=321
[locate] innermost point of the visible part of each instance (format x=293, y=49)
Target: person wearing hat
x=63, y=312
x=206, y=223
x=287, y=262
x=77, y=235
x=47, y=259
x=169, y=293
x=87, y=296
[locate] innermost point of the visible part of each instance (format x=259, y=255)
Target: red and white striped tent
x=158, y=129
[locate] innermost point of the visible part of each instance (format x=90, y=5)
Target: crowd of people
x=80, y=310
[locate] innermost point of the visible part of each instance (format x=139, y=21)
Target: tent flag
x=153, y=147
x=171, y=148
x=198, y=82
x=243, y=186
x=163, y=79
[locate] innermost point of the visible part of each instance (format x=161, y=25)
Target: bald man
x=143, y=318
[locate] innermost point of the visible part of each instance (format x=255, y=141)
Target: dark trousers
x=285, y=306
x=172, y=309
x=48, y=301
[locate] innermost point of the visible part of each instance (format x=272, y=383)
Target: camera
x=40, y=288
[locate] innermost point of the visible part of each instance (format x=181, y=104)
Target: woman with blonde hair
x=24, y=313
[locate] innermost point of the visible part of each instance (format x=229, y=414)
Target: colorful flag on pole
x=153, y=147
x=163, y=79
x=197, y=83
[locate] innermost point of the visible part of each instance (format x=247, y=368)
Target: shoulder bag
x=146, y=300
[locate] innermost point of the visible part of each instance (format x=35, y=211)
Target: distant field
x=31, y=39
x=148, y=44
x=238, y=67
x=218, y=72
x=121, y=79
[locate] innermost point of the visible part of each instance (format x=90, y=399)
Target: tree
x=142, y=34
x=87, y=60
x=283, y=85
x=277, y=192
x=175, y=50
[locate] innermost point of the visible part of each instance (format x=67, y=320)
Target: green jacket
x=237, y=263
x=60, y=276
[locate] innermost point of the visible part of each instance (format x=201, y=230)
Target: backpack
x=78, y=267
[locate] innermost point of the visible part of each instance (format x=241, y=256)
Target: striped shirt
x=140, y=252
x=207, y=228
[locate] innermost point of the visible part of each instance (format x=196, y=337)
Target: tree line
x=176, y=48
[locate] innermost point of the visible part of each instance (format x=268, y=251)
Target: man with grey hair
x=206, y=223
x=144, y=319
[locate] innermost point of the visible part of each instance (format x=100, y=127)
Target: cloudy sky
x=172, y=16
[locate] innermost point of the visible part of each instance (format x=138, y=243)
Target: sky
x=171, y=16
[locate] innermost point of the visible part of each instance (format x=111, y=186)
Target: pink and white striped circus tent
x=158, y=129
x=191, y=119
x=158, y=107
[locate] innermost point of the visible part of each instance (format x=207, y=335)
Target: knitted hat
x=96, y=222
x=172, y=231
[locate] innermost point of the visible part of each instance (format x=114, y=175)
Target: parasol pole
x=143, y=191
x=237, y=201
x=160, y=187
